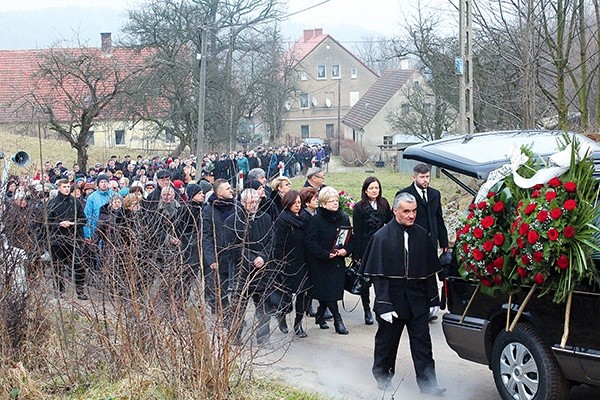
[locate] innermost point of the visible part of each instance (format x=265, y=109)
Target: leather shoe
x=368, y=317
x=283, y=326
x=433, y=390
x=299, y=331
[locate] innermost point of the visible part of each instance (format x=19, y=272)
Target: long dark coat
x=289, y=235
x=249, y=238
x=65, y=208
x=214, y=214
x=189, y=225
x=326, y=275
x=366, y=221
x=408, y=291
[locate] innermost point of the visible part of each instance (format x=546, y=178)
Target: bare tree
x=423, y=114
x=75, y=86
x=172, y=27
x=378, y=54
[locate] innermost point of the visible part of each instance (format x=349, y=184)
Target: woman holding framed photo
x=328, y=242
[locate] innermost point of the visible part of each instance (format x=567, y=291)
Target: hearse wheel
x=524, y=367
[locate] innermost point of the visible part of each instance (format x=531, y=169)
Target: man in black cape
x=401, y=261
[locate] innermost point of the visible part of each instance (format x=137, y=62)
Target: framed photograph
x=342, y=237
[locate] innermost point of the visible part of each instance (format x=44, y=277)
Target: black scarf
x=330, y=216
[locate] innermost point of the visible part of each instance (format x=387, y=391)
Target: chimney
x=308, y=34
x=318, y=32
x=106, y=41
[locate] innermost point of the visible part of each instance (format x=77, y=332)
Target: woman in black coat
x=370, y=213
x=325, y=260
x=189, y=228
x=289, y=234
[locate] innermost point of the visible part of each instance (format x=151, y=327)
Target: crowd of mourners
x=236, y=215
x=231, y=229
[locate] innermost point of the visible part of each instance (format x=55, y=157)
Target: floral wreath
x=553, y=233
x=483, y=241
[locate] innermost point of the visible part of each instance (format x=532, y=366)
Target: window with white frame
x=353, y=73
x=304, y=100
x=335, y=71
x=321, y=72
x=119, y=137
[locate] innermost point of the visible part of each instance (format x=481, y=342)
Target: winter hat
x=101, y=177
x=177, y=183
x=192, y=189
x=254, y=184
x=206, y=186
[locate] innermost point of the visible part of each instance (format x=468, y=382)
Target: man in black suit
x=402, y=264
x=429, y=211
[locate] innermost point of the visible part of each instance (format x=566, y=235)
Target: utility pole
x=339, y=129
x=464, y=68
x=202, y=57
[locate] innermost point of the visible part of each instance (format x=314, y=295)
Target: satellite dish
x=328, y=102
x=315, y=102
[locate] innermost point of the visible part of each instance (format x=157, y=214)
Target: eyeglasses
x=319, y=176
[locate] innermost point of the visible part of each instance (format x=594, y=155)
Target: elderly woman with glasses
x=326, y=256
x=280, y=185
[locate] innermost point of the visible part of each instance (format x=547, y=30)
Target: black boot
x=368, y=317
x=283, y=324
x=339, y=326
x=319, y=319
x=338, y=323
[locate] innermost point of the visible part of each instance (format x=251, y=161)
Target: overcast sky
x=38, y=23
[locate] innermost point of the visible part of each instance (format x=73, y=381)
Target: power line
x=304, y=9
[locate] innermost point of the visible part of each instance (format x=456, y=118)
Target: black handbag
x=353, y=281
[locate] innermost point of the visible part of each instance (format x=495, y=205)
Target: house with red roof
x=331, y=80
x=26, y=100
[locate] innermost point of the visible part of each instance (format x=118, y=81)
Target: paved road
x=339, y=367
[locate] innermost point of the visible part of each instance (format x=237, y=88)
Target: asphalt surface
x=339, y=366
